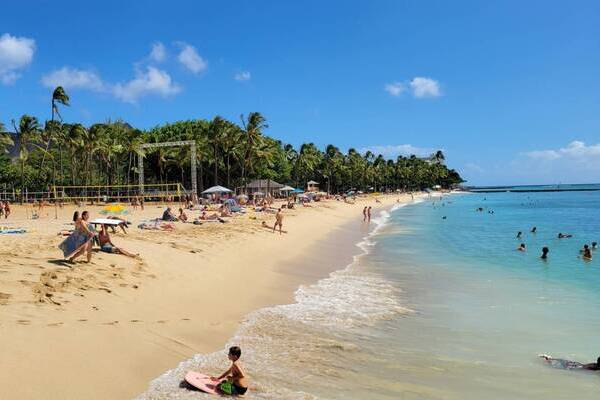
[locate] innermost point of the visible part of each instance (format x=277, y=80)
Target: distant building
x=265, y=186
x=312, y=186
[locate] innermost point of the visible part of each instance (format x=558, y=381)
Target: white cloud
x=425, y=87
x=159, y=52
x=146, y=82
x=394, y=88
x=392, y=151
x=576, y=151
x=150, y=81
x=72, y=78
x=16, y=53
x=242, y=76
x=189, y=57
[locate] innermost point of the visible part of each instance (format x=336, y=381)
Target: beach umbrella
x=216, y=189
x=114, y=209
x=286, y=189
x=258, y=194
x=297, y=191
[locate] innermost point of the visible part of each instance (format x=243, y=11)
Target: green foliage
x=227, y=153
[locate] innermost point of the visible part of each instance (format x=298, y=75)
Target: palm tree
x=28, y=134
x=5, y=139
x=59, y=96
x=253, y=127
x=216, y=133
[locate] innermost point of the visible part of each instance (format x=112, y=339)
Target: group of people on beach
x=84, y=236
x=4, y=209
x=367, y=214
x=585, y=252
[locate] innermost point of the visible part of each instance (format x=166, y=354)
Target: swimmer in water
x=594, y=245
x=564, y=235
x=586, y=253
x=534, y=229
x=521, y=247
x=568, y=364
x=545, y=252
x=519, y=235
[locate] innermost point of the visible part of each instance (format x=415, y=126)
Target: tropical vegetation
x=36, y=156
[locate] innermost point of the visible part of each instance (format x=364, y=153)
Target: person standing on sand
x=82, y=226
x=369, y=214
x=6, y=209
x=365, y=214
x=278, y=220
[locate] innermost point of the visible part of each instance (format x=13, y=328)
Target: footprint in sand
x=55, y=324
x=82, y=320
x=23, y=321
x=185, y=319
x=162, y=321
x=111, y=323
x=4, y=298
x=135, y=320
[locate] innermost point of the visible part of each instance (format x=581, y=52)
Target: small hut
x=265, y=186
x=312, y=186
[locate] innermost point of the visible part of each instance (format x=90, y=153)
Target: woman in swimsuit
x=84, y=229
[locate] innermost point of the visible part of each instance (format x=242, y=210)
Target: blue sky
x=510, y=90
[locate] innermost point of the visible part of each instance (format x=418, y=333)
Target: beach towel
x=12, y=231
x=73, y=243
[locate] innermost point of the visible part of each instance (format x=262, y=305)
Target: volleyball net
x=118, y=193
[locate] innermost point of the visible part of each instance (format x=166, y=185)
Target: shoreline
x=121, y=340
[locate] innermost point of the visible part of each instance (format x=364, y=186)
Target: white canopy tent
x=216, y=189
x=286, y=189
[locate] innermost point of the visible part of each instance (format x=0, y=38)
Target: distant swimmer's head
x=234, y=353
x=545, y=252
x=85, y=215
x=522, y=246
x=594, y=245
x=585, y=246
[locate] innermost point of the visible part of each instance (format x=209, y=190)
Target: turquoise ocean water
x=436, y=308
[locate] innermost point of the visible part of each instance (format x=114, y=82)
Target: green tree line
x=36, y=156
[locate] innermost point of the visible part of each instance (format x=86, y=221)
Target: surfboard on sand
x=202, y=382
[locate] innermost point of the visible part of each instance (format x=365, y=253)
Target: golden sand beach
x=103, y=330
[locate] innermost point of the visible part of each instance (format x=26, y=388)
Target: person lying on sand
x=107, y=246
x=568, y=364
x=235, y=383
x=182, y=216
x=205, y=217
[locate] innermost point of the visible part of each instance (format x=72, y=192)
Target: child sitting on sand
x=235, y=384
